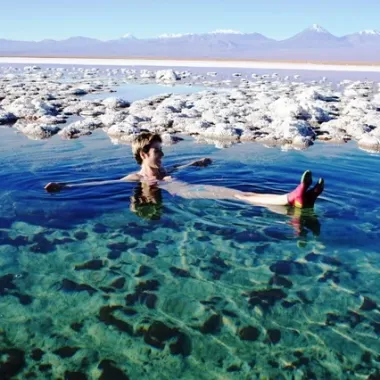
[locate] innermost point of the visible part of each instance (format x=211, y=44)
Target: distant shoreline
x=205, y=63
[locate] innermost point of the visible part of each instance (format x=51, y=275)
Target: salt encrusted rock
x=222, y=131
x=301, y=142
x=26, y=107
x=190, y=112
x=77, y=91
x=197, y=127
x=48, y=119
x=168, y=139
x=212, y=116
x=36, y=131
x=71, y=132
x=10, y=77
x=376, y=99
x=81, y=106
x=72, y=109
x=147, y=74
x=238, y=95
x=370, y=143
x=115, y=103
x=184, y=74
x=125, y=130
x=290, y=129
x=7, y=117
x=112, y=117
x=318, y=115
x=93, y=112
x=85, y=125
x=166, y=76
x=220, y=144
x=357, y=107
x=286, y=107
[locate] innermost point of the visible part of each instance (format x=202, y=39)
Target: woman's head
x=147, y=147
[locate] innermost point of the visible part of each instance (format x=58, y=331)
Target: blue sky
x=108, y=19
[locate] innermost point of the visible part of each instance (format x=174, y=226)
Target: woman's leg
x=264, y=199
x=300, y=197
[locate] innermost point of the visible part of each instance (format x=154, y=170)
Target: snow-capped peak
x=218, y=31
x=129, y=35
x=174, y=35
x=370, y=32
x=226, y=31
x=317, y=28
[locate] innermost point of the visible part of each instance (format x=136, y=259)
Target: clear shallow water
x=186, y=288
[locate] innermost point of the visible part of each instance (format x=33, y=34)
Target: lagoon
x=92, y=288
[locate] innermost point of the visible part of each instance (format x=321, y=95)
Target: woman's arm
x=203, y=162
x=53, y=187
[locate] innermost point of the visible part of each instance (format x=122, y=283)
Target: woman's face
x=154, y=156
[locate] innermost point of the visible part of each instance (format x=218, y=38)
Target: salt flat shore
x=271, y=109
x=244, y=64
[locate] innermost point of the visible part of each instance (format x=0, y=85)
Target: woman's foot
x=297, y=197
x=312, y=194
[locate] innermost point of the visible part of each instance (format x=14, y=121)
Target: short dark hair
x=142, y=142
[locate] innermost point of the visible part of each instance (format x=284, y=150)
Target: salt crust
x=275, y=112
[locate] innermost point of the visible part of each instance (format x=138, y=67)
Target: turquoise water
x=179, y=288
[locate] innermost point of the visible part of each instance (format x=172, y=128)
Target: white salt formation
x=266, y=108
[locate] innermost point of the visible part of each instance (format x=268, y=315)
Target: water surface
x=93, y=282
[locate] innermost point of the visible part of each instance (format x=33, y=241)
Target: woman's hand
x=203, y=162
x=53, y=187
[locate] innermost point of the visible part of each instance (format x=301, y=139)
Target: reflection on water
x=124, y=281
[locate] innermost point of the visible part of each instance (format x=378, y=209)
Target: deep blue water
x=187, y=288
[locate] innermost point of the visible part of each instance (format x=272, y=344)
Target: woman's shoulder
x=132, y=177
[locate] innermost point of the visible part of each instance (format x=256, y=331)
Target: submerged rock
x=75, y=375
x=280, y=281
x=110, y=371
x=142, y=294
x=106, y=316
x=143, y=271
x=266, y=298
x=81, y=235
x=158, y=334
x=37, y=354
x=284, y=267
x=368, y=304
x=118, y=283
x=42, y=244
x=12, y=361
x=178, y=272
x=71, y=286
x=90, y=265
x=274, y=335
x=249, y=333
x=212, y=325
x=66, y=352
x=6, y=283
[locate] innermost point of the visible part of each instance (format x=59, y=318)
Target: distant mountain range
x=314, y=43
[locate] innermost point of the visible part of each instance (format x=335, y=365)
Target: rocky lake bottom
x=95, y=284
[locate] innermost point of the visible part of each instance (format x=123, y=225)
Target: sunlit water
x=95, y=284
